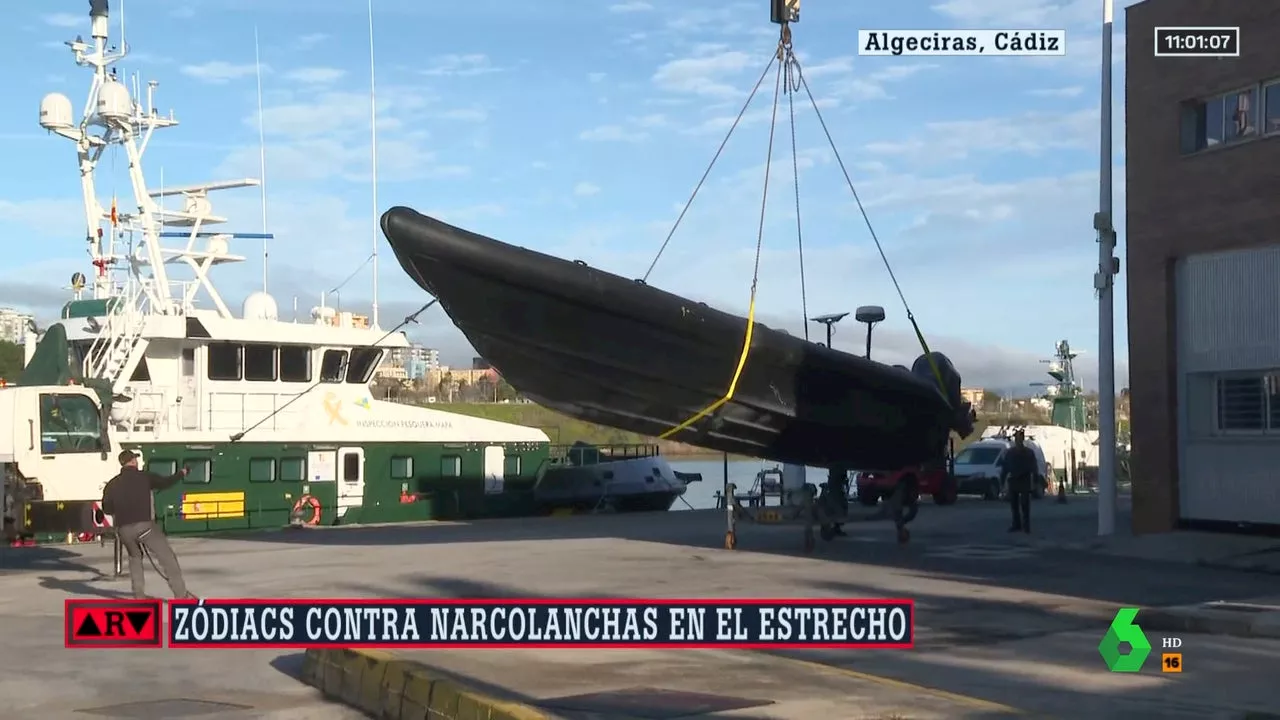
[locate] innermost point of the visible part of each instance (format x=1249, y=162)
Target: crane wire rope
x=791, y=80
x=789, y=68
x=924, y=344
x=780, y=55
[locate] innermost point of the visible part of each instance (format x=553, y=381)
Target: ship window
x=450, y=466
x=259, y=362
x=333, y=366
x=188, y=362
x=364, y=360
x=199, y=470
x=162, y=467
x=293, y=469
x=69, y=424
x=512, y=466
x=225, y=361
x=351, y=467
x=295, y=363
x=141, y=373
x=401, y=468
x=262, y=470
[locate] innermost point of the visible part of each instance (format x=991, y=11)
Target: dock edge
x=390, y=687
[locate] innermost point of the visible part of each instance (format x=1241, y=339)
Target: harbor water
x=702, y=495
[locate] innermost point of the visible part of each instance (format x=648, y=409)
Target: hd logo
x=1124, y=630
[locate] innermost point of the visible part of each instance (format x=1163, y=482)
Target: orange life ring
x=304, y=502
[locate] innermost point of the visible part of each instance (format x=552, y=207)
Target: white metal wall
x=1228, y=310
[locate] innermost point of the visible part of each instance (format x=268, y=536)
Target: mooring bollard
x=118, y=553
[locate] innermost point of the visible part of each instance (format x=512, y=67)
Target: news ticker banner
x=491, y=623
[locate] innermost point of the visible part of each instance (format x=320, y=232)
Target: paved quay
x=1007, y=626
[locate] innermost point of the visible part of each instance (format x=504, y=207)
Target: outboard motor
x=965, y=417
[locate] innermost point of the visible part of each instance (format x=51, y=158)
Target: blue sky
x=579, y=128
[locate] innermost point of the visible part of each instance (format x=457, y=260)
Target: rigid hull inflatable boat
x=614, y=351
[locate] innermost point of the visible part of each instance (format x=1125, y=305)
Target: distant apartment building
x=417, y=361
x=14, y=325
x=974, y=396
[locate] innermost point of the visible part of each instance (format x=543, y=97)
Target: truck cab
x=56, y=455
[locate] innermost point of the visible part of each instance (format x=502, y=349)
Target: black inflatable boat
x=615, y=351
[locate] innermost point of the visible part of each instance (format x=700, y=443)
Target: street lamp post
x=869, y=315
x=829, y=321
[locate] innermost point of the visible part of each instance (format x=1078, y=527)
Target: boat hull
x=617, y=352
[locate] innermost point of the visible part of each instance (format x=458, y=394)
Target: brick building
x=1202, y=233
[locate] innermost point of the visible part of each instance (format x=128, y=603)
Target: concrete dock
x=1008, y=626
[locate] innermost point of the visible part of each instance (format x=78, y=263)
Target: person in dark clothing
x=127, y=498
x=1018, y=472
x=838, y=492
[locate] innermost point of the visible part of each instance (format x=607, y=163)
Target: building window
x=1271, y=108
x=450, y=466
x=260, y=362
x=199, y=471
x=293, y=469
x=1249, y=404
x=225, y=361
x=164, y=468
x=351, y=467
x=333, y=365
x=401, y=468
x=295, y=363
x=1220, y=120
x=262, y=470
x=364, y=360
x=69, y=424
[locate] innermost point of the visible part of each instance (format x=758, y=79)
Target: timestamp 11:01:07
x=1197, y=42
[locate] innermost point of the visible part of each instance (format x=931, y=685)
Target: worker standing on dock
x=127, y=498
x=838, y=491
x=1018, y=471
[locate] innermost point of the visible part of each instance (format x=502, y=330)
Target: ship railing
x=593, y=454
x=146, y=410
x=109, y=353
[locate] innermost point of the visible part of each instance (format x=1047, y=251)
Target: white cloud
x=630, y=7
x=316, y=75
x=1060, y=92
x=219, y=72
x=66, y=20
x=461, y=65
x=612, y=133
x=586, y=189
x=474, y=115
x=595, y=77
x=708, y=75
x=315, y=136
x=1031, y=134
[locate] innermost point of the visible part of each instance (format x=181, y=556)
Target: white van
x=978, y=468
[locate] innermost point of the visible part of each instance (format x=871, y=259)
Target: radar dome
x=113, y=101
x=260, y=306
x=218, y=245
x=55, y=112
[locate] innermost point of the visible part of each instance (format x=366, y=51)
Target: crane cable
x=781, y=55
x=924, y=344
x=789, y=66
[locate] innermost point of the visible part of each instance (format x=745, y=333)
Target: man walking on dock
x=1018, y=471
x=127, y=498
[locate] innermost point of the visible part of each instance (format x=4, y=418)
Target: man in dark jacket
x=1018, y=471
x=127, y=498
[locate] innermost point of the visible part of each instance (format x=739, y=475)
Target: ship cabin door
x=495, y=464
x=188, y=391
x=350, y=479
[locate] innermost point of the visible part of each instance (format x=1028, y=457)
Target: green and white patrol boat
x=274, y=419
